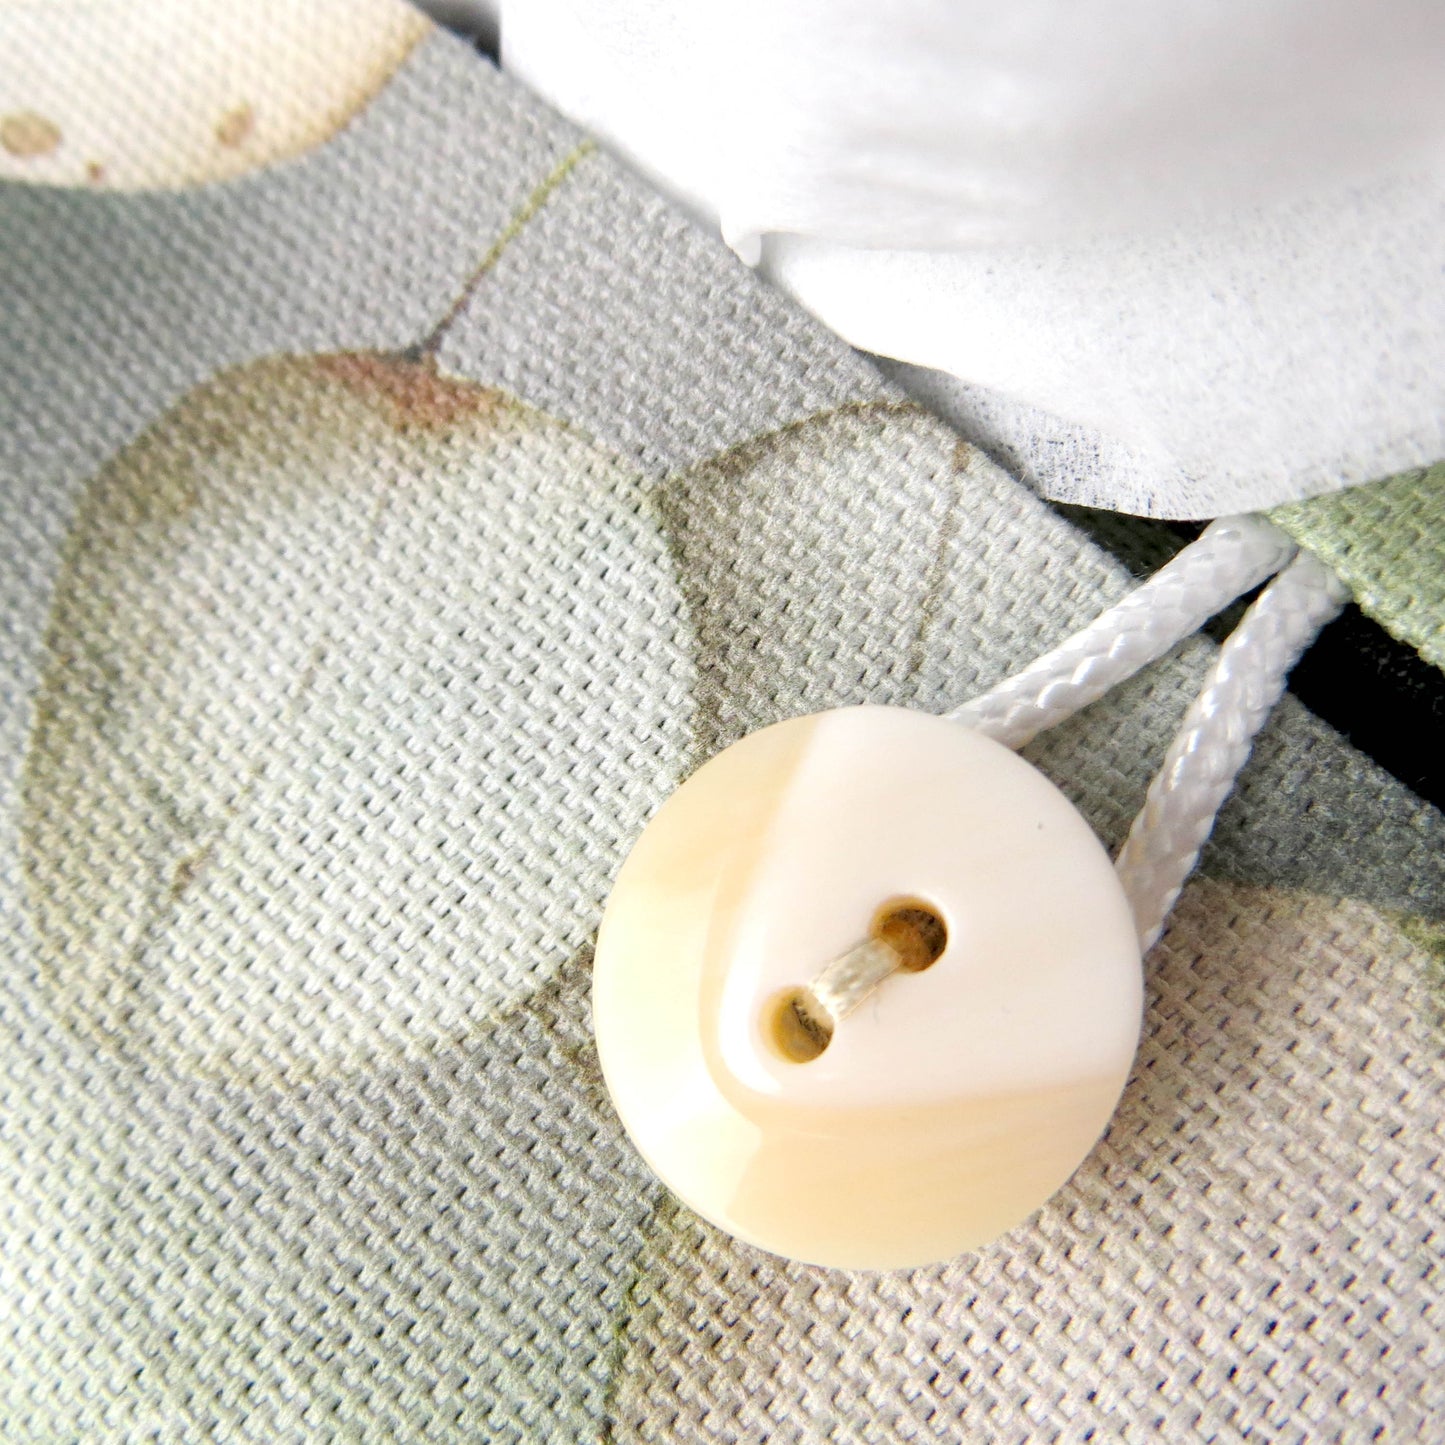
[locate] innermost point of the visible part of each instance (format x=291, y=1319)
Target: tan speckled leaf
x=167, y=93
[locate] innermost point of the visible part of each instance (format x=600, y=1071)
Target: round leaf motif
x=361, y=680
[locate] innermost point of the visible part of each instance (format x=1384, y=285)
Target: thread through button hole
x=907, y=935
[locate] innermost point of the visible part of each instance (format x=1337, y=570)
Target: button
x=867, y=989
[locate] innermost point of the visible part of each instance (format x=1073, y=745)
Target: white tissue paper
x=1178, y=259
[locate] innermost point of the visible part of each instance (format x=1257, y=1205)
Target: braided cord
x=1230, y=556
x=1215, y=739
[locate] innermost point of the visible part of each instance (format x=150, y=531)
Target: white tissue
x=1182, y=258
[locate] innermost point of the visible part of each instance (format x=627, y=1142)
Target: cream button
x=867, y=989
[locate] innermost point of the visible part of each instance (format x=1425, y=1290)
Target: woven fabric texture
x=385, y=534
x=1388, y=543
x=107, y=95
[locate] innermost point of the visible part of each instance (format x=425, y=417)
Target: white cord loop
x=1199, y=769
x=1229, y=557
x=1213, y=743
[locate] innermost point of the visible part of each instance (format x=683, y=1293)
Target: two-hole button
x=867, y=989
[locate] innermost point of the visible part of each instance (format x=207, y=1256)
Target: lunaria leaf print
x=360, y=679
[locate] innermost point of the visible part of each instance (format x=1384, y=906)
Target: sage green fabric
x=383, y=535
x=1388, y=543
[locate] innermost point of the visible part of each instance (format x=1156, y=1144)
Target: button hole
x=801, y=1028
x=914, y=930
x=906, y=934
